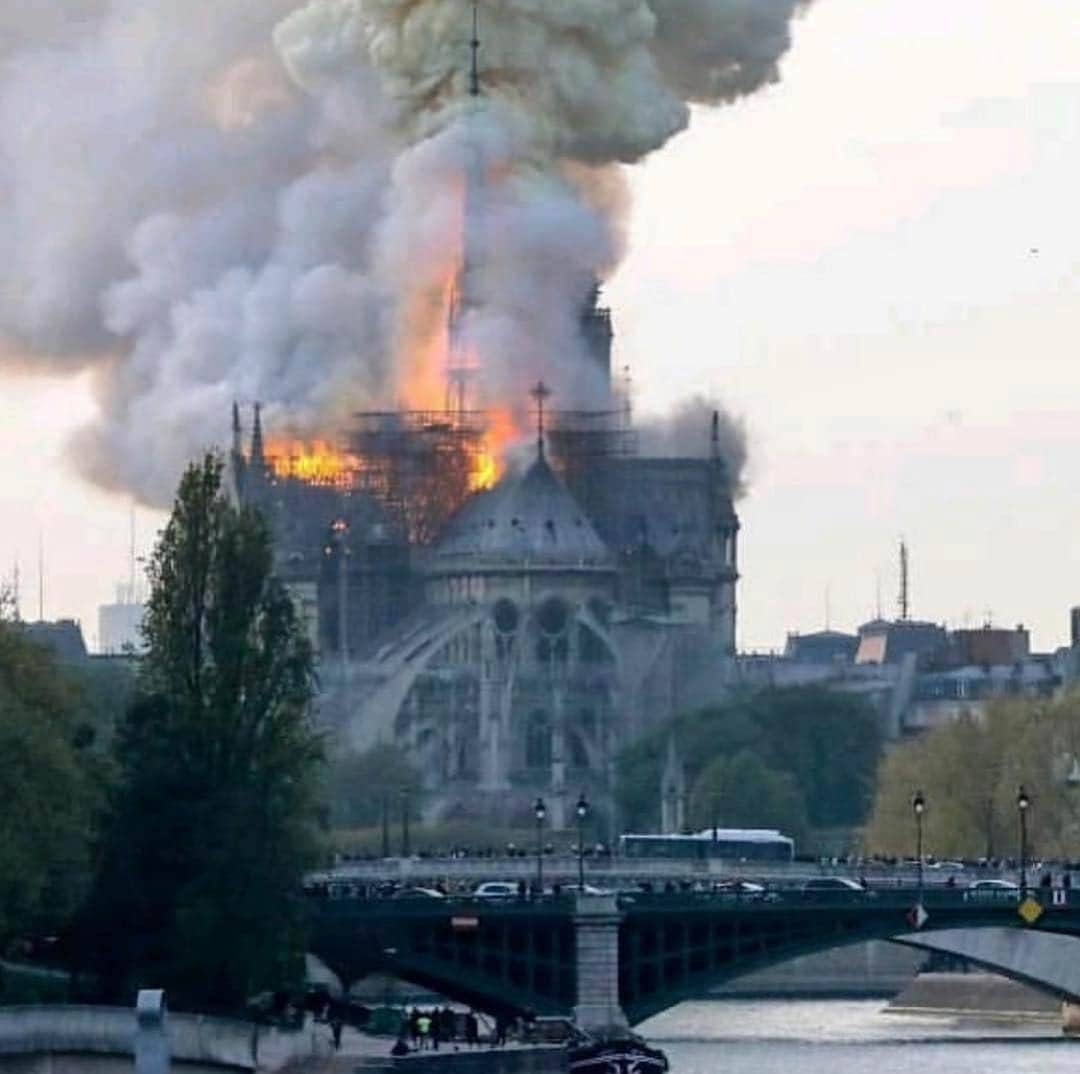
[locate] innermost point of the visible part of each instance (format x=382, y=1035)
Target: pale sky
x=875, y=263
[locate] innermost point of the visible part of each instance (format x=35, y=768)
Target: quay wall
x=101, y=1040
x=984, y=995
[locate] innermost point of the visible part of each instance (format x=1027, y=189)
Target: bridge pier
x=596, y=927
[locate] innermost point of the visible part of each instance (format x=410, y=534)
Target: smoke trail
x=256, y=199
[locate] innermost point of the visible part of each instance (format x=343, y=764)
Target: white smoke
x=254, y=199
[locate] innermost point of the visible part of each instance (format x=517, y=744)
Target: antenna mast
x=41, y=577
x=905, y=606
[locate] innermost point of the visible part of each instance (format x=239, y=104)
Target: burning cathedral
x=509, y=588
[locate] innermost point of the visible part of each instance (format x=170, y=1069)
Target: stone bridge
x=601, y=959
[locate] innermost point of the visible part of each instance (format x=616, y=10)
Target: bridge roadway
x=634, y=956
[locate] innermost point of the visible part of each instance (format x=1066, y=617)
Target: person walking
x=472, y=1030
x=414, y=1027
x=447, y=1024
x=423, y=1024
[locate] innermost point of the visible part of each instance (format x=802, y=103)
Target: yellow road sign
x=1030, y=910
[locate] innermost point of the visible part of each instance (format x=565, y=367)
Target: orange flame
x=315, y=462
x=490, y=463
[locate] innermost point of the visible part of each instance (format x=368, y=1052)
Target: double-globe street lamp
x=582, y=810
x=540, y=812
x=918, y=807
x=1023, y=803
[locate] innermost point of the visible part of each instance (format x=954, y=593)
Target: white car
x=417, y=893
x=993, y=890
x=496, y=889
x=824, y=887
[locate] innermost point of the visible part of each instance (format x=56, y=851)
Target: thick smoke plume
x=212, y=200
x=689, y=431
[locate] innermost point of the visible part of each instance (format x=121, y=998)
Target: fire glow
x=314, y=462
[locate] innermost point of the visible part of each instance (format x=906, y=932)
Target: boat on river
x=618, y=1055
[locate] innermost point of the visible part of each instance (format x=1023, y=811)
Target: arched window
x=538, y=740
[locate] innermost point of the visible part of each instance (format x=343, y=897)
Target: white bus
x=732, y=844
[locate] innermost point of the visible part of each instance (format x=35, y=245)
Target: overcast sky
x=875, y=263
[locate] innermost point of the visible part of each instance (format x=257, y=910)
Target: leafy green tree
x=49, y=786
x=830, y=742
x=741, y=791
x=213, y=823
x=826, y=741
x=360, y=785
x=970, y=770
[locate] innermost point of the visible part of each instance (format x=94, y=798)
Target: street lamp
x=385, y=825
x=918, y=807
x=540, y=812
x=582, y=810
x=405, y=847
x=1023, y=803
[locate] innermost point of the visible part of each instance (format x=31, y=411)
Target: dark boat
x=619, y=1055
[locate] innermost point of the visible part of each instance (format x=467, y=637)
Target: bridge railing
x=898, y=897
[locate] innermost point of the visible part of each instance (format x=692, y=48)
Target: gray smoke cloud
x=257, y=199
x=687, y=432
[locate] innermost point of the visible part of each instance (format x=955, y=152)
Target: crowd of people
x=423, y=1030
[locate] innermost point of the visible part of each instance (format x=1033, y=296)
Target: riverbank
x=979, y=995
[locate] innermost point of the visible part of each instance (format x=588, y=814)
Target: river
x=850, y=1037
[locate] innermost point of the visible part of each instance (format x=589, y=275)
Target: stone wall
x=100, y=1040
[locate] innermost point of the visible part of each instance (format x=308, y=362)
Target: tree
x=741, y=791
x=213, y=822
x=826, y=741
x=360, y=786
x=970, y=771
x=49, y=788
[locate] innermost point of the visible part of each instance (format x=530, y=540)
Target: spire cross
x=474, y=75
x=541, y=393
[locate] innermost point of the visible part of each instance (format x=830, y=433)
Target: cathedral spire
x=258, y=454
x=541, y=393
x=237, y=432
x=474, y=44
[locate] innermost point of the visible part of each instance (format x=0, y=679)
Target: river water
x=850, y=1037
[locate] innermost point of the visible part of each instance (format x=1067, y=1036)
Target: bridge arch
x=522, y=956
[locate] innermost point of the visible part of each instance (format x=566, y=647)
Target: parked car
x=588, y=889
x=418, y=893
x=496, y=889
x=991, y=890
x=843, y=887
x=744, y=889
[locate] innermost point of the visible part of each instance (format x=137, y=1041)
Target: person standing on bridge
x=423, y=1025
